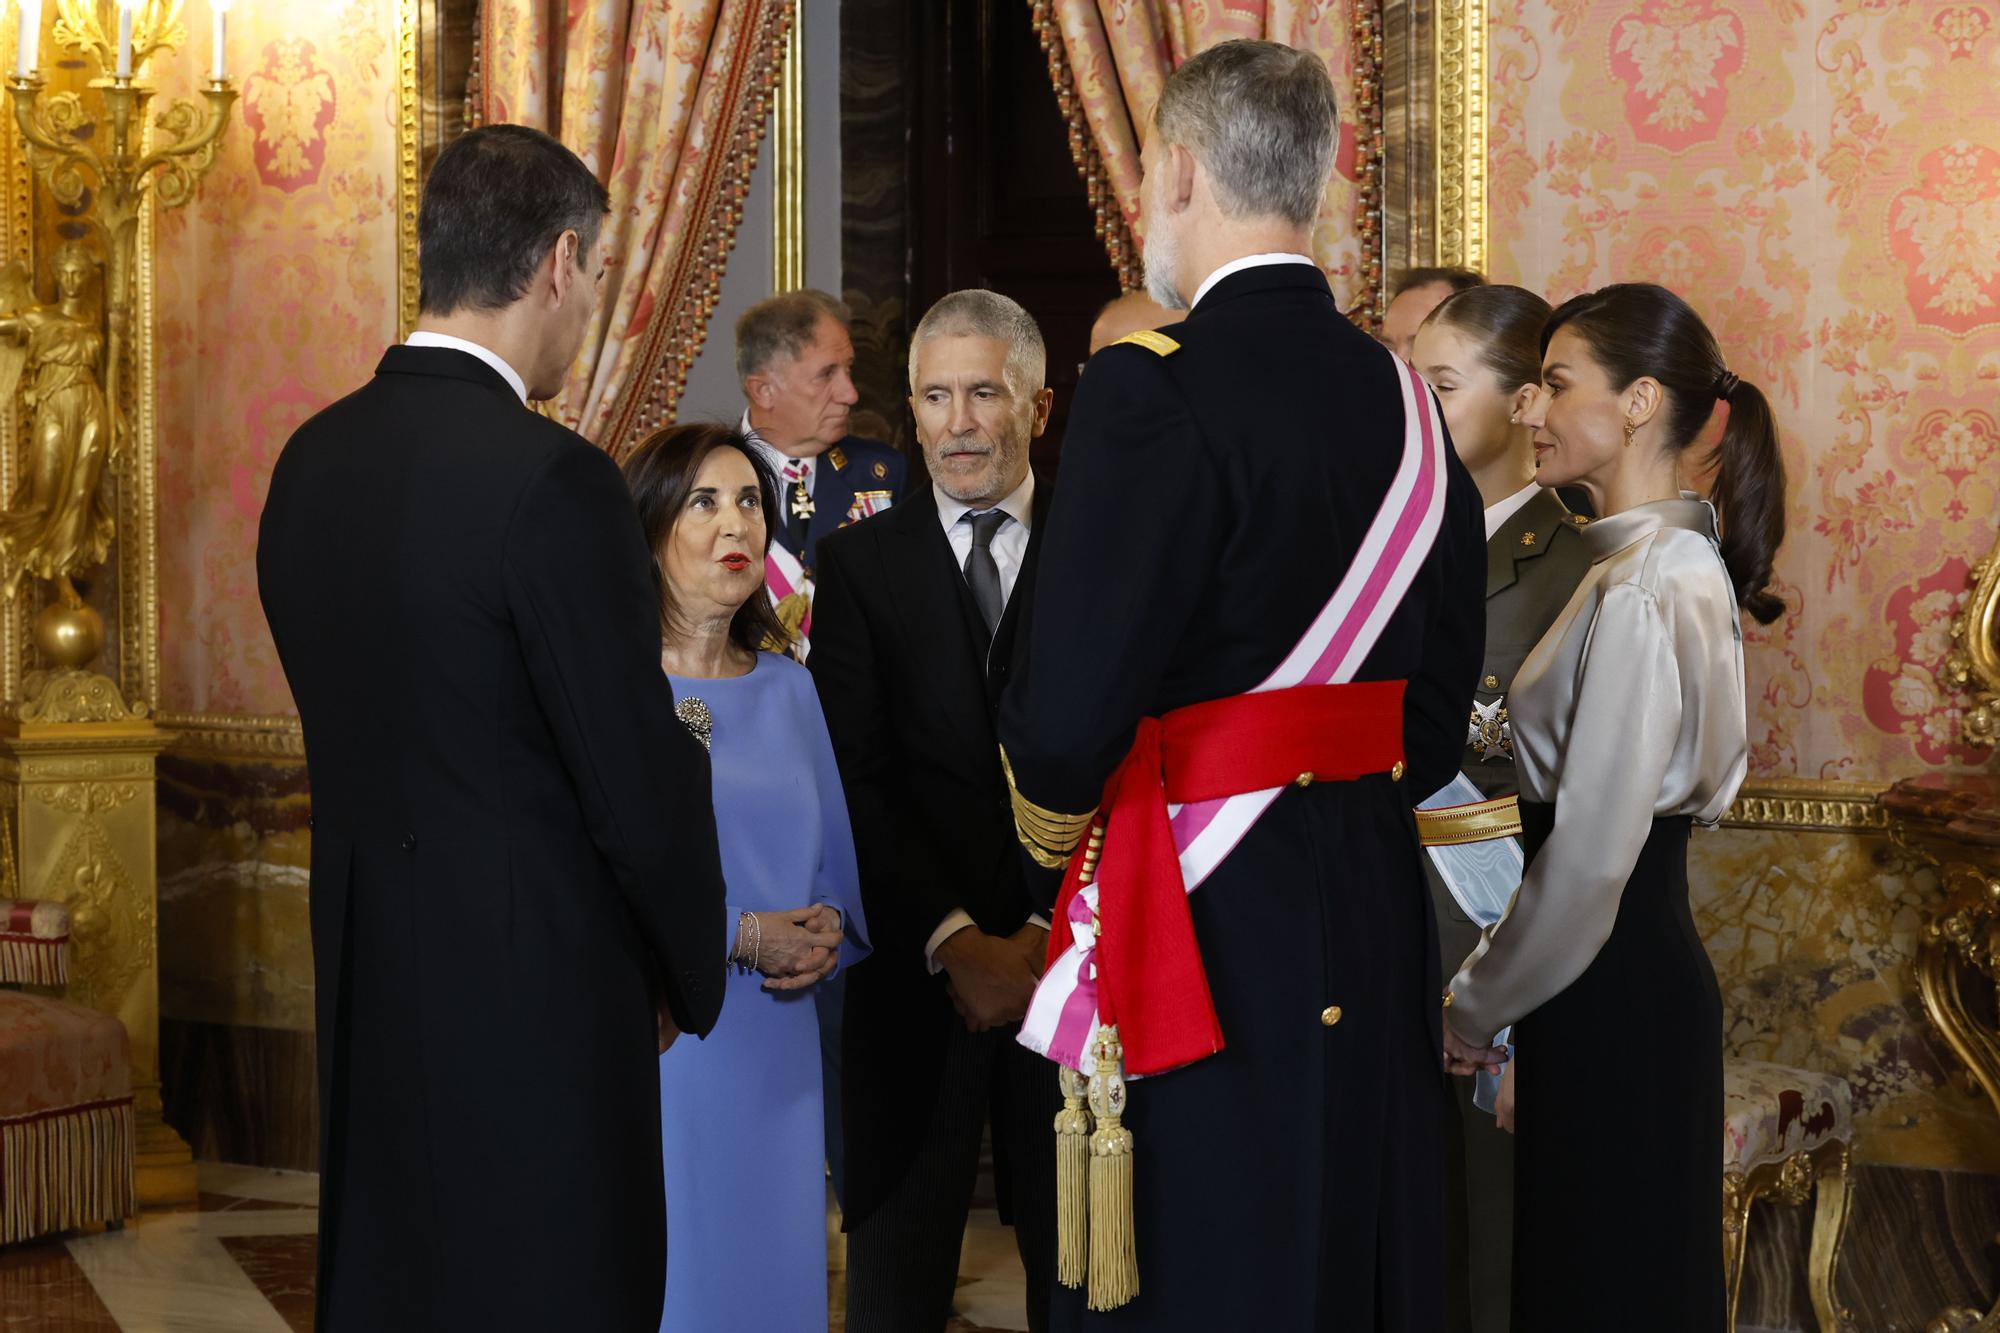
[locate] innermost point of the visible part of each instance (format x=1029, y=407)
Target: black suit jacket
x=910, y=684
x=513, y=854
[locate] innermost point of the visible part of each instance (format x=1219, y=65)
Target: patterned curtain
x=1110, y=58
x=666, y=101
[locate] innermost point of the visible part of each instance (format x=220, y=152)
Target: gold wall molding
x=1459, y=196
x=234, y=736
x=409, y=156
x=788, y=165
x=1807, y=805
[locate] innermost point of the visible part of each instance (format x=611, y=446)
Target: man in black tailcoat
x=1218, y=479
x=516, y=895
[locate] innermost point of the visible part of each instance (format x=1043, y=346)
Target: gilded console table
x=1952, y=820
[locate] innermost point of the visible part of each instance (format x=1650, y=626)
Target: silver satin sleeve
x=1638, y=711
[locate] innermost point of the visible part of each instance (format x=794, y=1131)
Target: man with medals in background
x=1254, y=648
x=796, y=364
x=1481, y=352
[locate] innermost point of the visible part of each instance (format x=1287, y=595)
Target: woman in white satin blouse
x=1629, y=726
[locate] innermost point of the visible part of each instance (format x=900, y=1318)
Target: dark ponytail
x=1750, y=493
x=1636, y=330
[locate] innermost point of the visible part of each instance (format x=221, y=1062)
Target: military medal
x=802, y=503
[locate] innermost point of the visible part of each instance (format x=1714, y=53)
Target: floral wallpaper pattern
x=275, y=295
x=1821, y=179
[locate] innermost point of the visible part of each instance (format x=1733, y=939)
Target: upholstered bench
x=65, y=1089
x=1786, y=1133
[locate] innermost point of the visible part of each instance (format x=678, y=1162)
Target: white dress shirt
x=1010, y=543
x=1010, y=550
x=1248, y=261
x=1497, y=514
x=777, y=460
x=425, y=338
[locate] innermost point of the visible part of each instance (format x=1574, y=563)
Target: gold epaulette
x=1159, y=344
x=1479, y=822
x=1048, y=836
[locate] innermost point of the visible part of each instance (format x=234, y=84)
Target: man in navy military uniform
x=796, y=363
x=1220, y=479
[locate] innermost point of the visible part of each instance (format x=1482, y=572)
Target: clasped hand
x=991, y=978
x=798, y=948
x=1462, y=1057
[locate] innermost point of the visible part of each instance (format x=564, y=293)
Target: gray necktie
x=981, y=574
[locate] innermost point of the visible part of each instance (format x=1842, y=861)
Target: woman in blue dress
x=741, y=1115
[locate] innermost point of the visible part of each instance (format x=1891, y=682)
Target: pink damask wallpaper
x=276, y=295
x=1821, y=178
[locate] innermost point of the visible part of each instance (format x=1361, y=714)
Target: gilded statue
x=58, y=523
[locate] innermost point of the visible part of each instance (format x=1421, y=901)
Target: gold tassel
x=1072, y=1186
x=1114, y=1255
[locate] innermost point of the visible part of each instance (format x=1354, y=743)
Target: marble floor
x=242, y=1262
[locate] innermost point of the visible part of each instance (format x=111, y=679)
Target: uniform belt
x=1482, y=821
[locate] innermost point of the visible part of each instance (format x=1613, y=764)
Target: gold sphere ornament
x=69, y=636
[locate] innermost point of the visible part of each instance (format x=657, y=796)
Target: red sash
x=1149, y=976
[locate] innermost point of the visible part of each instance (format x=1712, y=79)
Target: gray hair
x=978, y=313
x=782, y=325
x=1261, y=118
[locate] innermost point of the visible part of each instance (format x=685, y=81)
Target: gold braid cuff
x=1048, y=836
x=1480, y=822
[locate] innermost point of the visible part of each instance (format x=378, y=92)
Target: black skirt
x=1618, y=1099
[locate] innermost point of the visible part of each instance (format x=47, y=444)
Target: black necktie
x=981, y=574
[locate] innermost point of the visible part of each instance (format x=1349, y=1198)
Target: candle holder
x=70, y=163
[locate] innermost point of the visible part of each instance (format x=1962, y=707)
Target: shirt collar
x=425, y=338
x=1248, y=261
x=1019, y=505
x=1498, y=514
x=774, y=458
x=1614, y=532
x=777, y=459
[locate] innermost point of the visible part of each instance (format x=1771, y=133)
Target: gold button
x=1303, y=780
x=1491, y=683
x=1329, y=1016
x=1396, y=773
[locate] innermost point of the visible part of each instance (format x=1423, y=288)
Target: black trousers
x=902, y=1259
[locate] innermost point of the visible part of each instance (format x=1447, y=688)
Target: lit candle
x=218, y=11
x=30, y=38
x=125, y=38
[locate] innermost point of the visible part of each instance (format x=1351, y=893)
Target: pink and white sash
x=784, y=576
x=1061, y=1022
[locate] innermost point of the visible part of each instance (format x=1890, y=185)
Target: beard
x=1163, y=258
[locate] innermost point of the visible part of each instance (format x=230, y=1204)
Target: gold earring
x=1631, y=429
